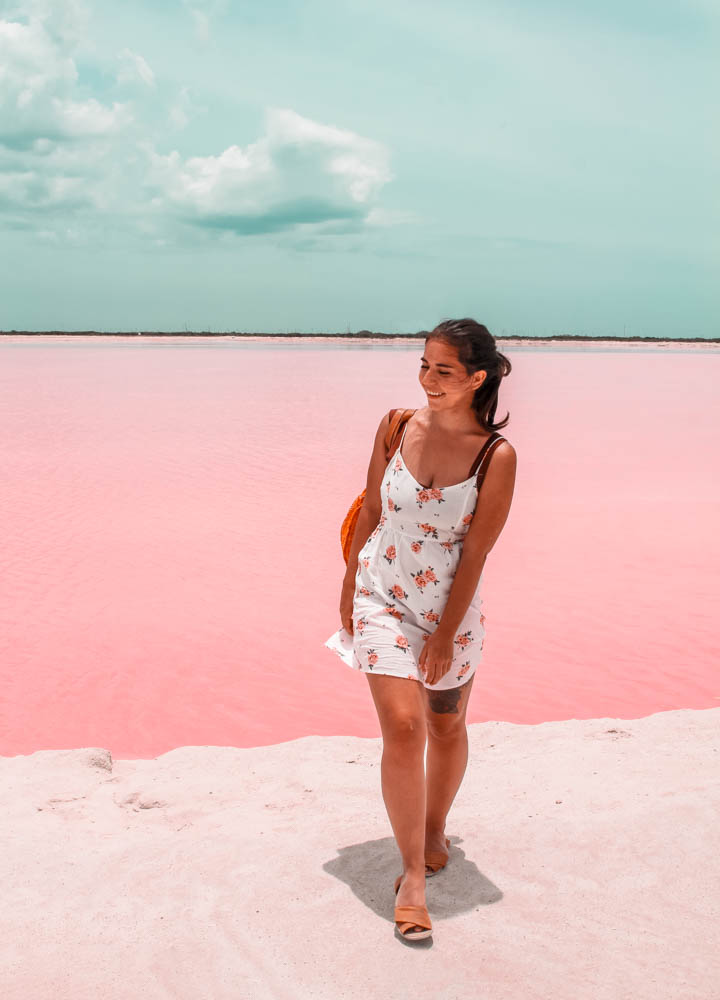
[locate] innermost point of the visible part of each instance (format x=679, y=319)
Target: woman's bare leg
x=447, y=758
x=400, y=708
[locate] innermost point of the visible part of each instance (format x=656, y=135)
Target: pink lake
x=170, y=558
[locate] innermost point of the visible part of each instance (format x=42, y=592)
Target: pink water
x=170, y=561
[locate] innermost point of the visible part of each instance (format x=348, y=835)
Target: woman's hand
x=346, y=604
x=436, y=658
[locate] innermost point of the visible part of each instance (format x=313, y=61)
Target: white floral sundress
x=403, y=580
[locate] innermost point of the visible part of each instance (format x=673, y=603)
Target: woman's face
x=442, y=372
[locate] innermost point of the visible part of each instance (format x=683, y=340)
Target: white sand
x=584, y=865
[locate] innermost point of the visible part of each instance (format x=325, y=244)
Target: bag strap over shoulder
x=397, y=419
x=482, y=462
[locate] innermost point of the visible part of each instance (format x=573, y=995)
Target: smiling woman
x=410, y=604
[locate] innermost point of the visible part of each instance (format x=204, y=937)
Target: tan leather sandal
x=434, y=860
x=407, y=917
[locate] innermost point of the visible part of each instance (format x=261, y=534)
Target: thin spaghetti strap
x=481, y=454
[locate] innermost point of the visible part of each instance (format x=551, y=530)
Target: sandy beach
x=583, y=866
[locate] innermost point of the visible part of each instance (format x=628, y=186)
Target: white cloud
x=184, y=109
x=134, y=67
x=58, y=152
x=36, y=84
x=360, y=164
x=77, y=118
x=202, y=12
x=30, y=64
x=34, y=191
x=202, y=24
x=297, y=160
x=65, y=21
x=83, y=163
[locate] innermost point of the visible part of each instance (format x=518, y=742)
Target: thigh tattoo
x=447, y=702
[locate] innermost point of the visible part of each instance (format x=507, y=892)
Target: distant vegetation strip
x=360, y=335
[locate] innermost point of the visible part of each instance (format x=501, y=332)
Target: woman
x=410, y=604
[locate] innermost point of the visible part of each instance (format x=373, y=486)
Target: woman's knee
x=404, y=727
x=400, y=709
x=446, y=727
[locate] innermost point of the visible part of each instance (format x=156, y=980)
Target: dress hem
x=328, y=644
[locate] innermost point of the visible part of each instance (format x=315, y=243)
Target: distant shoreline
x=363, y=337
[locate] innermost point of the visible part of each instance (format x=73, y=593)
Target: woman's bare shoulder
x=386, y=420
x=506, y=452
x=505, y=445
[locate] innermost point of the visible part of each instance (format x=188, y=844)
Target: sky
x=544, y=166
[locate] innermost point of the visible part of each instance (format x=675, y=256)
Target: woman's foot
x=411, y=893
x=436, y=847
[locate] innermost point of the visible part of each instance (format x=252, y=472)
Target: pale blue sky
x=327, y=165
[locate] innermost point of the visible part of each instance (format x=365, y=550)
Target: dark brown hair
x=477, y=352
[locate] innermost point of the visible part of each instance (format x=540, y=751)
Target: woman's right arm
x=371, y=509
x=370, y=512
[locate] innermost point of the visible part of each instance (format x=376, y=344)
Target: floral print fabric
x=403, y=580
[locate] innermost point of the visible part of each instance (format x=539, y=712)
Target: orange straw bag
x=347, y=531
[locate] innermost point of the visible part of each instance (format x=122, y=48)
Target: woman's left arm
x=491, y=513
